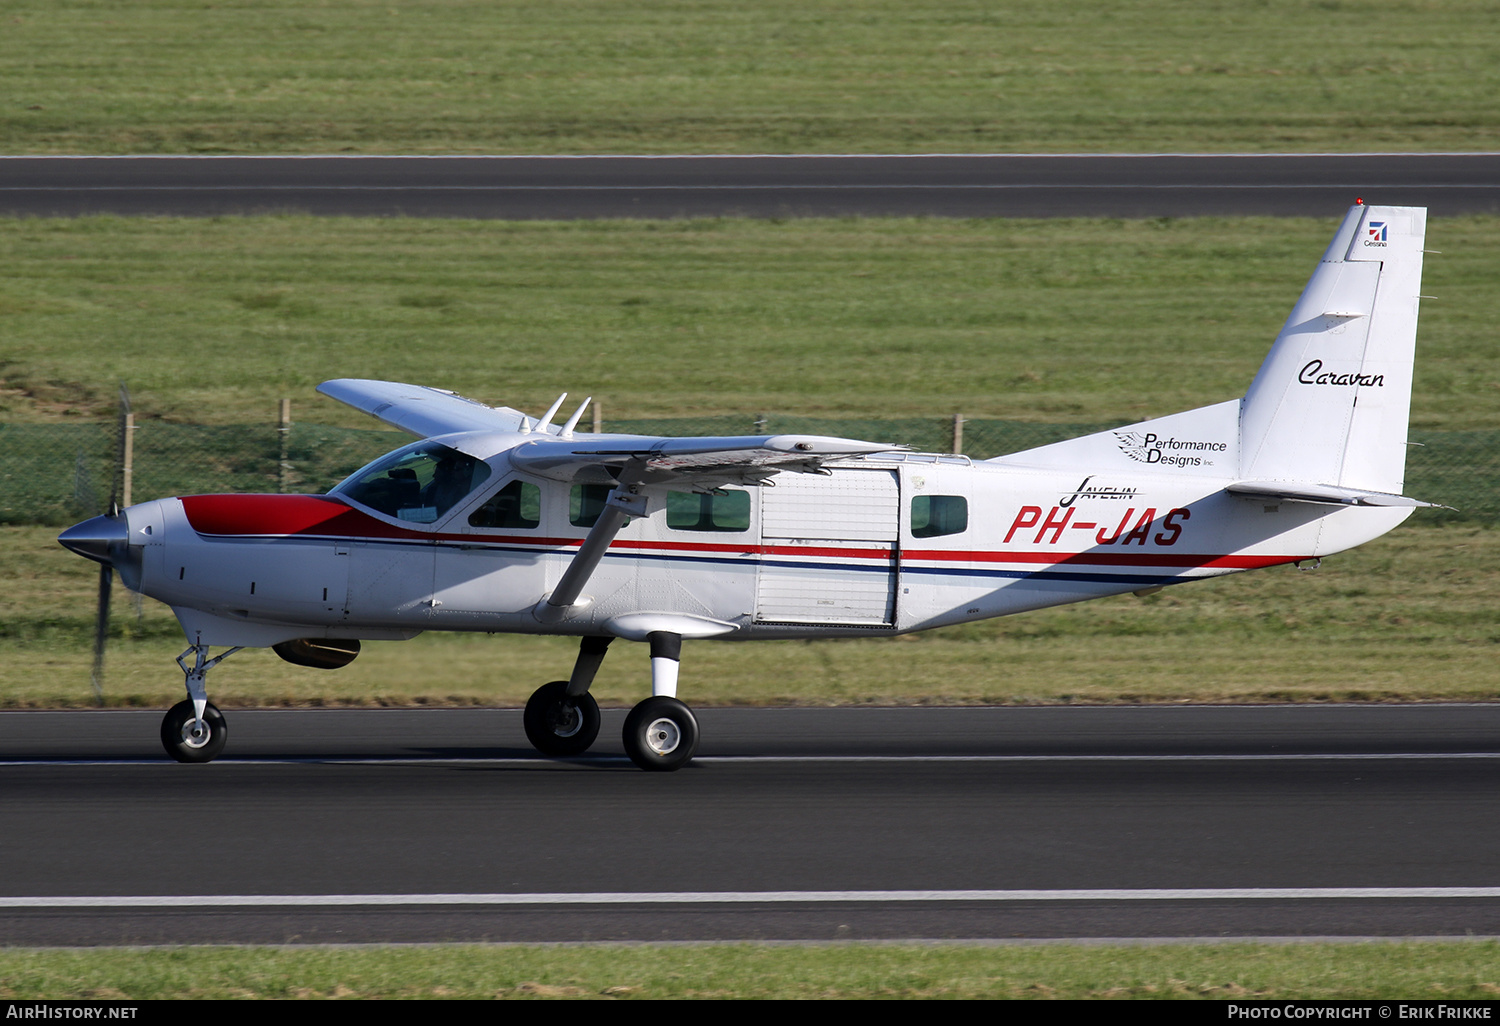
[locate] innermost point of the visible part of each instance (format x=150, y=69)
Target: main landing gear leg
x=194, y=730
x=661, y=733
x=562, y=718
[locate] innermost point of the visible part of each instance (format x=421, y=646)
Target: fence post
x=127, y=459
x=598, y=418
x=122, y=473
x=283, y=431
x=760, y=423
x=958, y=433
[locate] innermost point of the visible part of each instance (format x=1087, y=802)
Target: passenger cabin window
x=933, y=516
x=517, y=505
x=586, y=502
x=722, y=511
x=419, y=483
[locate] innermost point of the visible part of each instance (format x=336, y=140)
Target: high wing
x=556, y=453
x=423, y=411
x=703, y=461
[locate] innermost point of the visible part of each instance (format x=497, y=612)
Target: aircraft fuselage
x=882, y=545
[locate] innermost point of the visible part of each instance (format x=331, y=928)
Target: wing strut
x=623, y=503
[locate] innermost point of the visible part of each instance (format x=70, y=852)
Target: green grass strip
x=1375, y=970
x=659, y=76
x=1067, y=321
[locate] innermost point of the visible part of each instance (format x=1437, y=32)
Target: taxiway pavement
x=1147, y=185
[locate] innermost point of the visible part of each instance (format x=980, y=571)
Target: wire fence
x=57, y=474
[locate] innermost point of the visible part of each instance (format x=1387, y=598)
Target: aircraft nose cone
x=94, y=538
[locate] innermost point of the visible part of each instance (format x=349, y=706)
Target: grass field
x=1410, y=616
x=1454, y=971
x=211, y=321
x=578, y=76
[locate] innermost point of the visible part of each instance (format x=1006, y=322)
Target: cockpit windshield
x=419, y=483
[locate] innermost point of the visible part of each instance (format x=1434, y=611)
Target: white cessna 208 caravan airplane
x=497, y=522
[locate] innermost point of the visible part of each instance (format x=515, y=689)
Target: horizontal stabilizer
x=422, y=411
x=1330, y=494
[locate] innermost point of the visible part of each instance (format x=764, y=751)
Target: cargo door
x=829, y=549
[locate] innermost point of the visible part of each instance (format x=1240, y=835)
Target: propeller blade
x=101, y=630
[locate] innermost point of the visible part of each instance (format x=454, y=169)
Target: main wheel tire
x=559, y=725
x=661, y=734
x=185, y=744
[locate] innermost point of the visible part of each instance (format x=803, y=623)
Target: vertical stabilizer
x=1331, y=402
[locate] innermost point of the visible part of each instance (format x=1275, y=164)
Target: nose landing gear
x=190, y=739
x=193, y=730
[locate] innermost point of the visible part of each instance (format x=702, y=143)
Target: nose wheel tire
x=661, y=734
x=559, y=725
x=186, y=741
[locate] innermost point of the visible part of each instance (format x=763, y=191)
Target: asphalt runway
x=523, y=188
x=814, y=824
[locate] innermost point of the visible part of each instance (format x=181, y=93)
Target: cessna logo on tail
x=1375, y=233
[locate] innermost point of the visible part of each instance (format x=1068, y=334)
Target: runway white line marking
x=594, y=760
x=1290, y=757
x=740, y=897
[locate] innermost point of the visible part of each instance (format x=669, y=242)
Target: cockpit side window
x=516, y=506
x=420, y=483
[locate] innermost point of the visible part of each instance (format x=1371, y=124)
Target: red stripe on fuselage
x=1096, y=558
x=326, y=516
